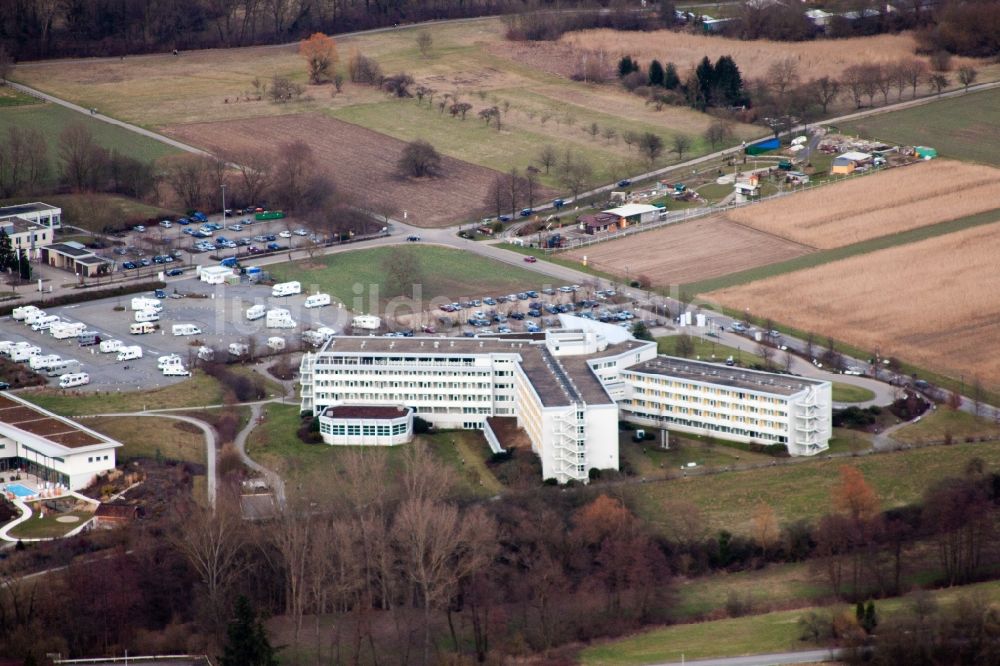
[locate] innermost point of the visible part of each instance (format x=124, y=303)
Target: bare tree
x=83, y=161
x=967, y=76
x=593, y=129
x=824, y=90
x=6, y=64
x=718, y=133
x=255, y=166
x=651, y=146
x=295, y=165
x=853, y=77
x=938, y=82
x=424, y=43
x=782, y=76
x=188, y=175
x=419, y=160
x=916, y=72
x=609, y=134
x=681, y=144
x=547, y=157
x=575, y=174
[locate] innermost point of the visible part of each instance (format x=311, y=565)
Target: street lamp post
x=223, y=204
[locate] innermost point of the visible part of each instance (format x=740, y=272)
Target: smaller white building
x=214, y=274
x=35, y=213
x=366, y=425
x=634, y=213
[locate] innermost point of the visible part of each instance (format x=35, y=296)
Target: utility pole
x=223, y=204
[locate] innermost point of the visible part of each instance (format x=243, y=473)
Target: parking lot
x=218, y=311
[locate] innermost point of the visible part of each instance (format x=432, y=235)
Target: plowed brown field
x=361, y=162
x=689, y=251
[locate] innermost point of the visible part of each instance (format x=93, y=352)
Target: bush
x=363, y=69
x=421, y=426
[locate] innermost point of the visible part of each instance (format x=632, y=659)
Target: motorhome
x=73, y=379
x=280, y=318
x=88, y=339
x=367, y=322
x=40, y=362
x=22, y=354
x=239, y=349
x=33, y=316
x=186, y=329
x=43, y=323
x=63, y=367
x=129, y=353
x=317, y=300
x=276, y=344
x=169, y=359
x=21, y=312
x=108, y=346
x=140, y=303
x=147, y=315
x=206, y=353
x=61, y=330
x=141, y=328
x=286, y=289
x=256, y=312
x=176, y=370
x=6, y=346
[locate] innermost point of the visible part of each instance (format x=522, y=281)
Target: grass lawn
x=162, y=438
x=707, y=349
x=11, y=97
x=199, y=390
x=851, y=393
x=754, y=634
x=47, y=527
x=963, y=127
x=940, y=423
x=440, y=273
x=649, y=459
x=276, y=446
x=52, y=119
x=96, y=211
x=801, y=490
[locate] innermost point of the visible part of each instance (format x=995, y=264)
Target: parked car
x=139, y=228
x=413, y=239
x=235, y=227
x=174, y=272
x=183, y=221
x=300, y=232
x=128, y=265
x=273, y=246
x=285, y=234
x=530, y=259
x=166, y=224
x=624, y=182
x=526, y=212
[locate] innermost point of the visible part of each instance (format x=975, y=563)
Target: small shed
x=925, y=152
x=116, y=513
x=633, y=214
x=214, y=274
x=598, y=223
x=846, y=163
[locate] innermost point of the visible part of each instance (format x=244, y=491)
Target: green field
x=162, y=438
x=754, y=634
x=707, y=349
x=361, y=280
x=801, y=490
x=962, y=128
x=11, y=97
x=52, y=119
x=849, y=393
x=942, y=422
x=47, y=527
x=275, y=445
x=199, y=390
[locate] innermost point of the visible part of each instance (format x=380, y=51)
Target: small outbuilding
x=925, y=152
x=366, y=425
x=846, y=163
x=633, y=213
x=598, y=223
x=214, y=274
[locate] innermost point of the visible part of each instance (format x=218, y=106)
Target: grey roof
x=68, y=250
x=92, y=260
x=20, y=209
x=732, y=377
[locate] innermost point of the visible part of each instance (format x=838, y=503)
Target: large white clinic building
x=567, y=389
x=50, y=448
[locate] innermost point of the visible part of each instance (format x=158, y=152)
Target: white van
x=146, y=303
x=66, y=366
x=186, y=329
x=147, y=315
x=21, y=354
x=286, y=289
x=280, y=318
x=276, y=344
x=108, y=346
x=20, y=313
x=74, y=379
x=141, y=328
x=176, y=370
x=256, y=312
x=130, y=353
x=317, y=300
x=206, y=353
x=239, y=349
x=43, y=323
x=33, y=316
x=40, y=362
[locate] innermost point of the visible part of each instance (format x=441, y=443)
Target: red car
x=531, y=260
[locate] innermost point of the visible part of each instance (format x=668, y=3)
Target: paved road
x=799, y=657
x=274, y=480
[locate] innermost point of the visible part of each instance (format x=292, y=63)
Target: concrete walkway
x=774, y=659
x=274, y=480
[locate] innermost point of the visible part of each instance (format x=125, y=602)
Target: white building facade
x=365, y=425
x=567, y=392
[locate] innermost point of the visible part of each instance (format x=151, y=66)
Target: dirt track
x=361, y=162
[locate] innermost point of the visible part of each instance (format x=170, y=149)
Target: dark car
x=624, y=183
x=273, y=246
x=504, y=218
x=128, y=265
x=183, y=221
x=4, y=386
x=413, y=239
x=525, y=212
x=173, y=272
x=270, y=237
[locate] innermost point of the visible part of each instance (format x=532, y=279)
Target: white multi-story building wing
x=567, y=389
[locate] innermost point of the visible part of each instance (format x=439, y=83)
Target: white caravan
x=176, y=370
x=40, y=362
x=286, y=289
x=256, y=312
x=147, y=315
x=141, y=328
x=22, y=354
x=21, y=312
x=129, y=353
x=280, y=318
x=239, y=349
x=108, y=346
x=186, y=329
x=145, y=303
x=74, y=379
x=276, y=344
x=317, y=300
x=43, y=323
x=63, y=367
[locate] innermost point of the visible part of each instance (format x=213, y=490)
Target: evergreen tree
x=7, y=258
x=671, y=81
x=626, y=66
x=706, y=80
x=871, y=619
x=23, y=267
x=246, y=642
x=728, y=81
x=656, y=73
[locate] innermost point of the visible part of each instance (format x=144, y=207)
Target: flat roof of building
x=25, y=417
x=714, y=373
x=69, y=250
x=21, y=209
x=628, y=210
x=91, y=260
x=19, y=225
x=380, y=412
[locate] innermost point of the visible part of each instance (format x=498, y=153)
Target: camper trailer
x=33, y=316
x=366, y=322
x=317, y=300
x=147, y=315
x=280, y=318
x=141, y=328
x=88, y=339
x=239, y=349
x=22, y=354
x=276, y=344
x=319, y=336
x=108, y=346
x=7, y=347
x=140, y=303
x=20, y=313
x=40, y=362
x=61, y=330
x=256, y=312
x=129, y=353
x=286, y=289
x=186, y=329
x=73, y=379
x=44, y=323
x=169, y=359
x=66, y=366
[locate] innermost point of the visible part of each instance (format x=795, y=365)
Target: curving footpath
x=274, y=479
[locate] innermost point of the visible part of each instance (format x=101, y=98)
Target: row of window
x=704, y=414
x=711, y=390
x=683, y=397
x=361, y=383
x=91, y=459
x=743, y=432
x=355, y=430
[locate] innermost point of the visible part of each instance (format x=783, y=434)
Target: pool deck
x=27, y=513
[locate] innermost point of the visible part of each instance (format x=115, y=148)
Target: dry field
x=361, y=162
x=878, y=205
x=689, y=251
x=816, y=58
x=933, y=302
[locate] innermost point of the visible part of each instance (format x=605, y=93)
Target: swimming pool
x=19, y=490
